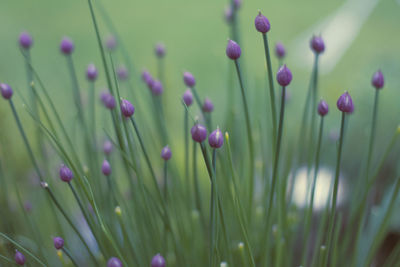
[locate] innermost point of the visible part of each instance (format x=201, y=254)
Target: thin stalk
x=336, y=240
x=197, y=193
x=240, y=213
x=249, y=137
x=132, y=248
x=92, y=104
x=166, y=203
x=25, y=139
x=307, y=224
x=212, y=218
x=276, y=164
x=186, y=138
x=148, y=161
x=314, y=95
x=198, y=101
x=108, y=21
x=35, y=231
x=367, y=173
x=322, y=255
x=99, y=43
x=331, y=227
x=76, y=89
x=271, y=86
x=83, y=210
x=303, y=124
x=7, y=259
x=383, y=226
x=372, y=135
x=67, y=252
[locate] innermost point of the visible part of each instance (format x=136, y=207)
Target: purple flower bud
x=317, y=44
x=58, y=242
x=6, y=90
x=106, y=168
x=233, y=50
x=262, y=23
x=19, y=258
x=122, y=73
x=67, y=46
x=25, y=40
x=158, y=261
x=65, y=173
x=111, y=42
x=108, y=100
x=188, y=97
x=345, y=103
x=166, y=153
x=107, y=147
x=280, y=50
x=146, y=76
x=377, y=80
x=114, y=262
x=237, y=4
x=199, y=133
x=127, y=108
x=208, y=106
x=189, y=79
x=91, y=72
x=160, y=50
x=216, y=139
x=157, y=87
x=150, y=82
x=323, y=108
x=228, y=14
x=284, y=76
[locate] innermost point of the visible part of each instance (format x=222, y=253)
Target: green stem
x=240, y=213
x=314, y=95
x=197, y=193
x=166, y=203
x=271, y=86
x=367, y=173
x=276, y=165
x=372, y=135
x=331, y=227
x=99, y=43
x=198, y=101
x=249, y=137
x=68, y=253
x=303, y=125
x=92, y=99
x=186, y=137
x=383, y=226
x=76, y=90
x=83, y=210
x=307, y=224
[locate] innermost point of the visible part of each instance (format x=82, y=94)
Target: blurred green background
x=195, y=34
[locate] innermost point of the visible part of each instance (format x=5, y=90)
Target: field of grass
x=195, y=34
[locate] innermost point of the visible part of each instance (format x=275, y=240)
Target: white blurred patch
x=325, y=179
x=338, y=30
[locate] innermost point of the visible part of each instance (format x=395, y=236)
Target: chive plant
x=119, y=204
